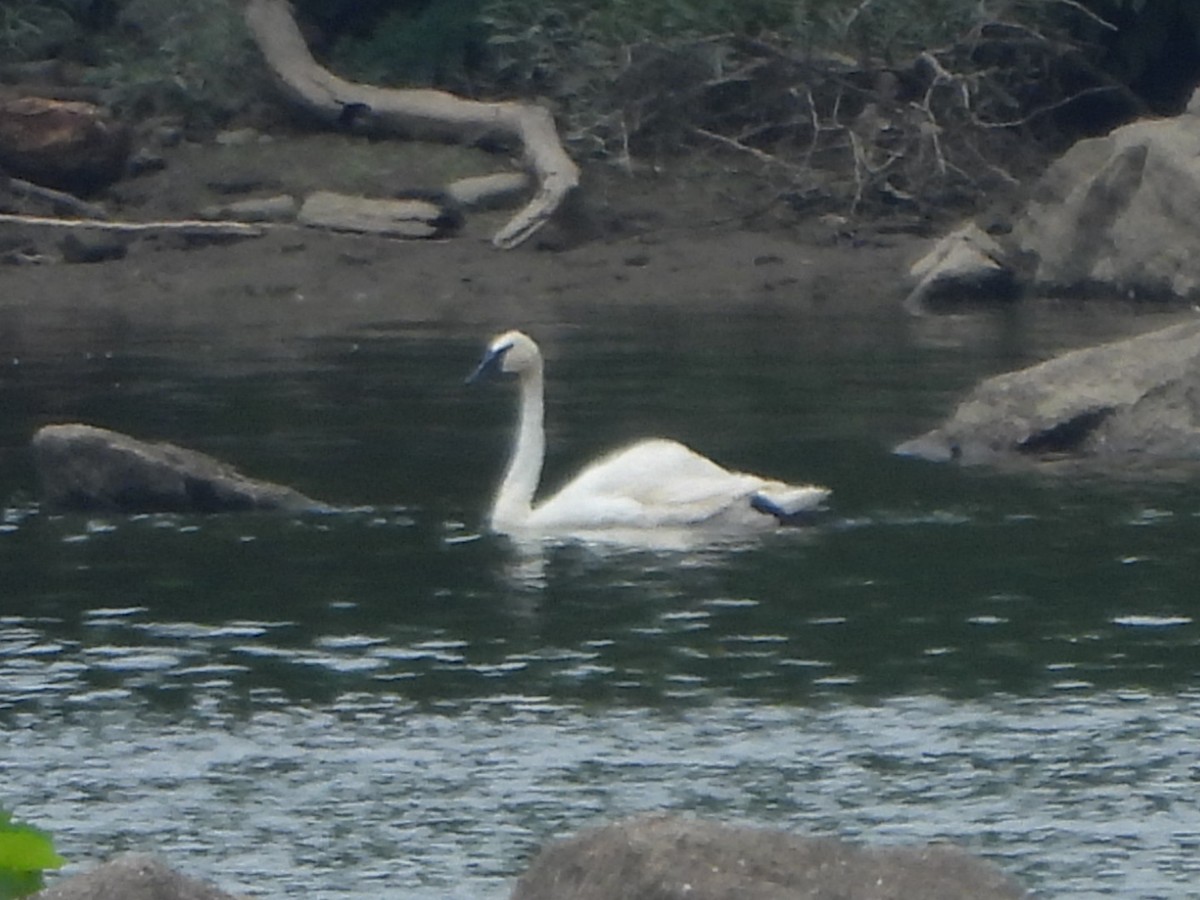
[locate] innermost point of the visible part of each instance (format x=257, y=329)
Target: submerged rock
x=1132, y=399
x=133, y=876
x=673, y=858
x=81, y=467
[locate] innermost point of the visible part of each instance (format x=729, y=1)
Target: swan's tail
x=790, y=505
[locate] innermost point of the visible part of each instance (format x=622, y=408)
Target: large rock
x=82, y=467
x=1118, y=213
x=1133, y=399
x=671, y=858
x=132, y=876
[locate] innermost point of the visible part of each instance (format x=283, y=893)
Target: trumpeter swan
x=650, y=484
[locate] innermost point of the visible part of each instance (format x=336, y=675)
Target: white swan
x=650, y=484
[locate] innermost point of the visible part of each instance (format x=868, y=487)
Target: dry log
x=488, y=191
x=411, y=218
x=426, y=114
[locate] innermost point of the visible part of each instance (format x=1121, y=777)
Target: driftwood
x=61, y=201
x=183, y=226
x=418, y=114
x=412, y=218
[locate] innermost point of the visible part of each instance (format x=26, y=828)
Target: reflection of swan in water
x=651, y=484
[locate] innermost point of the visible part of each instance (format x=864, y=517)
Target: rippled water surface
x=383, y=699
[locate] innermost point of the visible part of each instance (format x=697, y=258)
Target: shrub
x=188, y=57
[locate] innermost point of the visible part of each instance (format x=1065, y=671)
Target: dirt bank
x=699, y=236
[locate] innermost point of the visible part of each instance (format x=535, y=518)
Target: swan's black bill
x=489, y=366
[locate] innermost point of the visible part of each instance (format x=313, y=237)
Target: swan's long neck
x=514, y=500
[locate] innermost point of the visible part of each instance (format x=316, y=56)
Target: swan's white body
x=651, y=484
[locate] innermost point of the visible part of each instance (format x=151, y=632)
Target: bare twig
x=1050, y=107
x=1083, y=10
x=744, y=148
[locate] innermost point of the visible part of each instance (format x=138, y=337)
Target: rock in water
x=1136, y=399
x=674, y=858
x=133, y=876
x=82, y=467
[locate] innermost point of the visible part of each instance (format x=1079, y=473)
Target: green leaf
x=24, y=848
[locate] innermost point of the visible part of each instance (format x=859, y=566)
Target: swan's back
x=657, y=483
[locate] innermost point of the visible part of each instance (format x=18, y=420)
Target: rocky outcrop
x=81, y=467
x=1133, y=399
x=1118, y=212
x=1113, y=216
x=672, y=858
x=133, y=876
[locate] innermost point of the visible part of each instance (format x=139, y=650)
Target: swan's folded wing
x=650, y=484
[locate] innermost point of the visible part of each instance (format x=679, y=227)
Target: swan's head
x=513, y=353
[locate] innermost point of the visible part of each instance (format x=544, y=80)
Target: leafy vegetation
x=145, y=57
x=25, y=852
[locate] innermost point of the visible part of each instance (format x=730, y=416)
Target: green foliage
x=147, y=56
x=33, y=29
x=414, y=45
x=189, y=56
x=25, y=852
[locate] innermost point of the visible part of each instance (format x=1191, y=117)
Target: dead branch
x=1084, y=11
x=60, y=200
x=419, y=114
x=733, y=144
x=183, y=226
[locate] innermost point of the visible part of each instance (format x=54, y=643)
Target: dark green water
x=383, y=700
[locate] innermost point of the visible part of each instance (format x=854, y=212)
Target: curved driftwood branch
x=418, y=113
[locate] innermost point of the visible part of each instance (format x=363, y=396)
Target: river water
x=381, y=699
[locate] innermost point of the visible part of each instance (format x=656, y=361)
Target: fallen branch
x=183, y=226
x=418, y=113
x=60, y=200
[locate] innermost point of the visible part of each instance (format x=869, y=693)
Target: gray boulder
x=1118, y=213
x=132, y=876
x=672, y=858
x=81, y=467
x=1132, y=399
x=967, y=264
